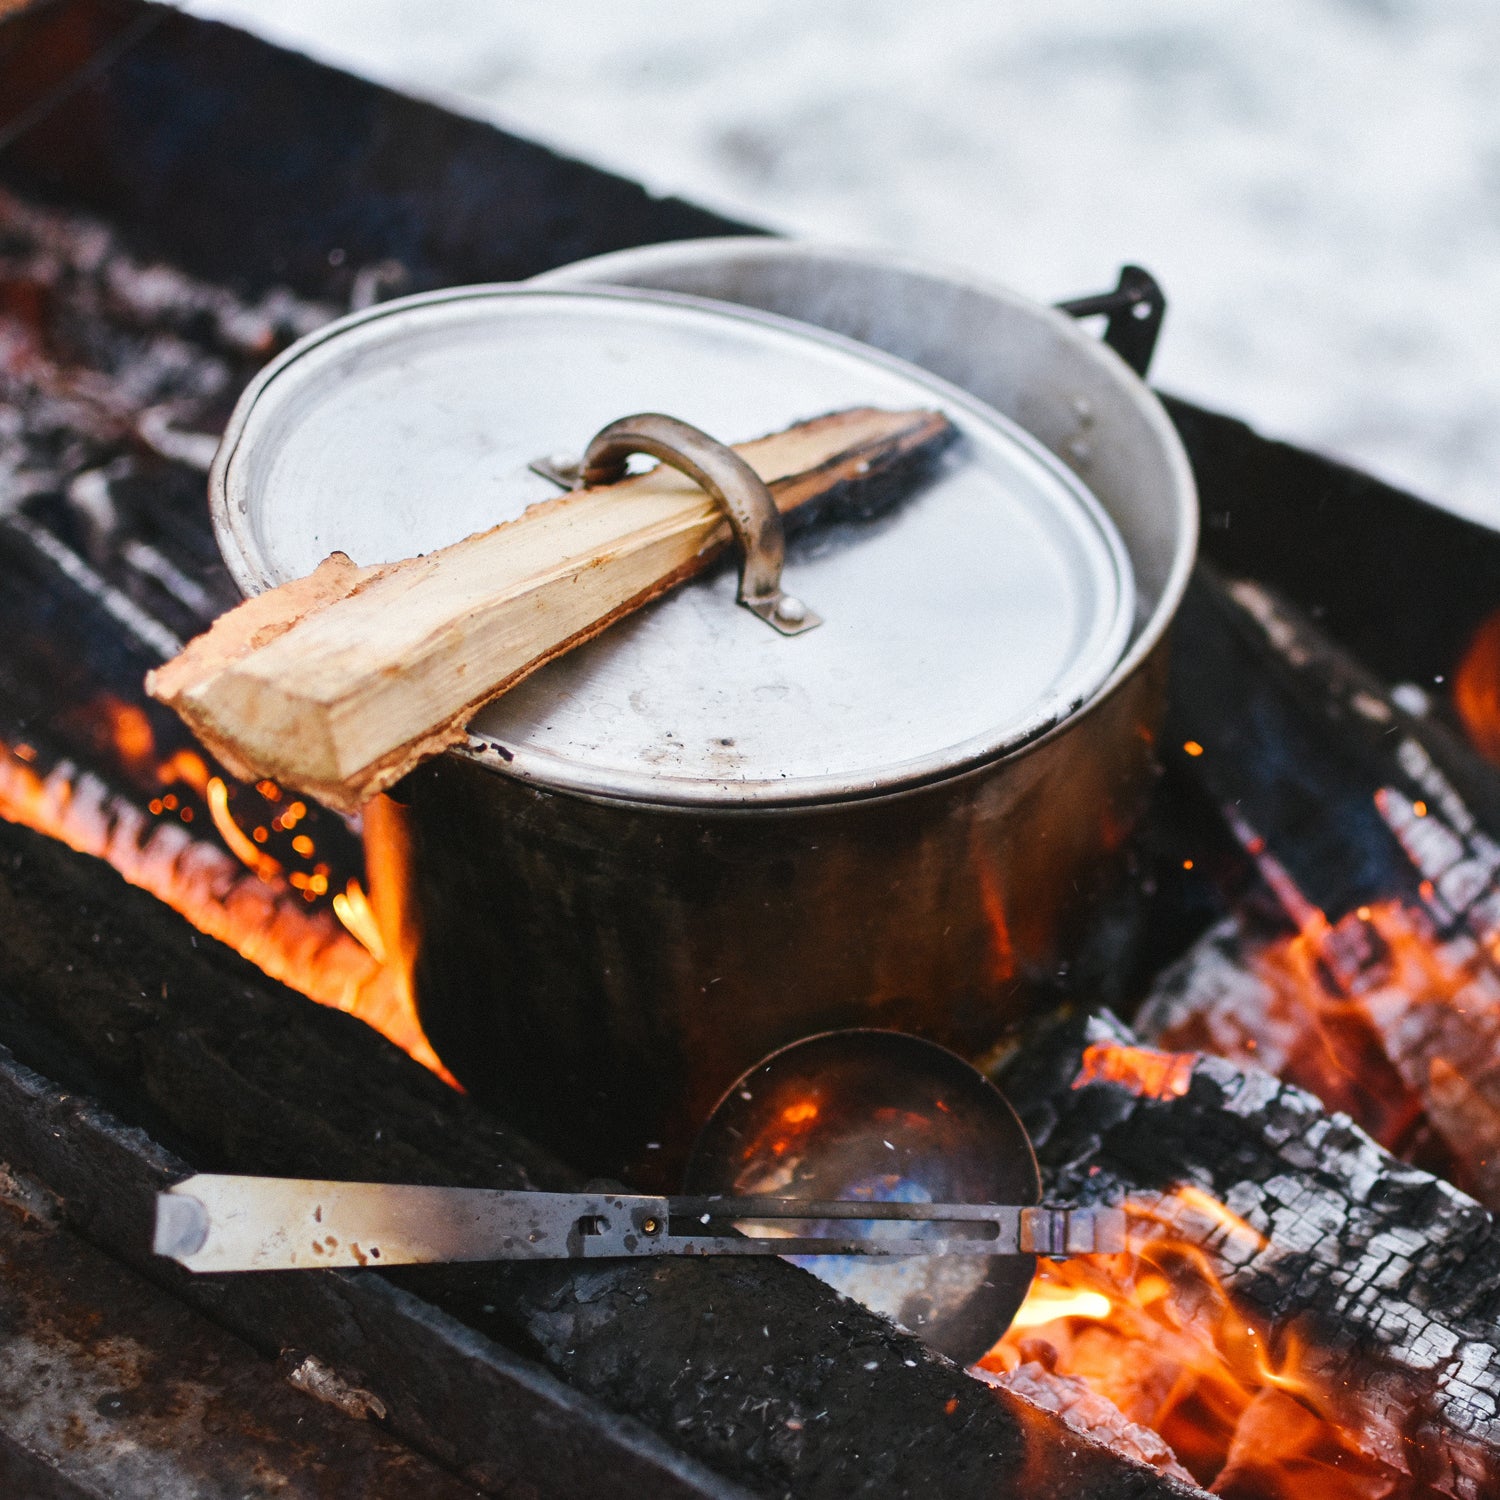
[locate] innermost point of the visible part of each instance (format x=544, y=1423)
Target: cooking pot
x=676, y=850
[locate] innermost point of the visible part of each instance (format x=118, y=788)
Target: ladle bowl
x=884, y=1117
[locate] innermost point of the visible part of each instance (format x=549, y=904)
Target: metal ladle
x=885, y=1164
x=886, y=1117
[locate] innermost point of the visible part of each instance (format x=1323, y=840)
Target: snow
x=1316, y=183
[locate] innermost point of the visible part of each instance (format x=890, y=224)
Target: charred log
x=108, y=992
x=1393, y=1274
x=507, y=1425
x=759, y=1371
x=1299, y=736
x=1396, y=580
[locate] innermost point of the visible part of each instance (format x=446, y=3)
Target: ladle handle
x=229, y=1223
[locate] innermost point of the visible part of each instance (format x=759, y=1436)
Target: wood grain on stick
x=339, y=683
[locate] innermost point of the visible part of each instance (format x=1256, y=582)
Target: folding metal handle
x=227, y=1223
x=740, y=491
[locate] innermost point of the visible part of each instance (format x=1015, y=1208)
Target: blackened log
x=1239, y=729
x=109, y=1387
x=1341, y=699
x=1438, y=798
x=1375, y=828
x=759, y=1371
x=1395, y=1273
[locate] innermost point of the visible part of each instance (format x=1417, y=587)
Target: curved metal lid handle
x=740, y=491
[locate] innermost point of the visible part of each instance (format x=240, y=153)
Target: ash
x=116, y=375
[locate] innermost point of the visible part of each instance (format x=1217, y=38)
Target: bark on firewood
x=756, y=1370
x=339, y=683
x=1394, y=1274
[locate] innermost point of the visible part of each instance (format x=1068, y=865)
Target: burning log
x=758, y=1371
x=105, y=989
x=1385, y=997
x=1090, y=1413
x=162, y=815
x=340, y=683
x=513, y=1421
x=109, y=992
x=1374, y=1284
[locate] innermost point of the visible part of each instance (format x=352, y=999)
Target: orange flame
x=241, y=846
x=1386, y=1020
x=1476, y=689
x=1157, y=1333
x=257, y=914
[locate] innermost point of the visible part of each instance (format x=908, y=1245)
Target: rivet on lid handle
x=740, y=491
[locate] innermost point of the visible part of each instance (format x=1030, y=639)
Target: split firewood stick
x=340, y=683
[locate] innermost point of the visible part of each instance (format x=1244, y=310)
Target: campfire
x=1301, y=1121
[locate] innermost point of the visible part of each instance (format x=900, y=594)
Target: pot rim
x=233, y=519
x=1151, y=629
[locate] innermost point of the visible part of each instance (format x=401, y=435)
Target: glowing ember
x=243, y=848
x=1144, y=1071
x=1380, y=1017
x=1391, y=1014
x=256, y=913
x=1476, y=689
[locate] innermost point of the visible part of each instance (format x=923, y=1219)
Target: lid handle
x=740, y=491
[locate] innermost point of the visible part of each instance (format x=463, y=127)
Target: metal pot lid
x=958, y=626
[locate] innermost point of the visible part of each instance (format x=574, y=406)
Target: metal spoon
x=883, y=1116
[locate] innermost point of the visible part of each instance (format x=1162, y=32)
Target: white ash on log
x=1409, y=1043
x=116, y=373
x=1086, y=1411
x=756, y=1371
x=1332, y=684
x=1253, y=992
x=1326, y=766
x=1391, y=1276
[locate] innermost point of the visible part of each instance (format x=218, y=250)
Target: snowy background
x=1316, y=183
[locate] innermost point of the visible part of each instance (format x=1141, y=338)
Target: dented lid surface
x=961, y=623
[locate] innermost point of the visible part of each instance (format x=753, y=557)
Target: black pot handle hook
x=1135, y=309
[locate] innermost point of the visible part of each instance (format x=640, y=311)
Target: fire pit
x=1307, y=946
